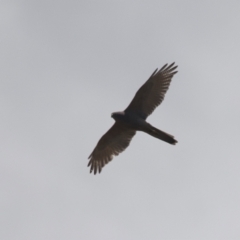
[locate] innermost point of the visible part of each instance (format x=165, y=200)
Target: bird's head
x=117, y=115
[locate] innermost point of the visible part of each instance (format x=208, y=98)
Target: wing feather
x=152, y=92
x=113, y=142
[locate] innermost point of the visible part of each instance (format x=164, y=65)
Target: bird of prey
x=133, y=119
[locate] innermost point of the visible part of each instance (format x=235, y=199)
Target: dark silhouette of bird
x=133, y=119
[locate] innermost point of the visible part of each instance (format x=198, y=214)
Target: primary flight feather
x=133, y=118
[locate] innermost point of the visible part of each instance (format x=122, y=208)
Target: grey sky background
x=65, y=67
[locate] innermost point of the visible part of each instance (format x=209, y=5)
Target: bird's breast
x=132, y=121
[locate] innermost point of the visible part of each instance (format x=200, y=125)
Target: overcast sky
x=65, y=67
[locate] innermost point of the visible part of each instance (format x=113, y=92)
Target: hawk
x=133, y=119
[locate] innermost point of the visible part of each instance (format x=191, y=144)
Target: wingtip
x=154, y=72
x=163, y=67
x=94, y=168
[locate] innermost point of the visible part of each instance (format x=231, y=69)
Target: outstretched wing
x=152, y=92
x=113, y=142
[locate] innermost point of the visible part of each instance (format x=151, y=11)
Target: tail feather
x=161, y=135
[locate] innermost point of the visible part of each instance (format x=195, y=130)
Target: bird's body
x=137, y=123
x=133, y=119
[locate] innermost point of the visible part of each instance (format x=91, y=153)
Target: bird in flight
x=133, y=118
